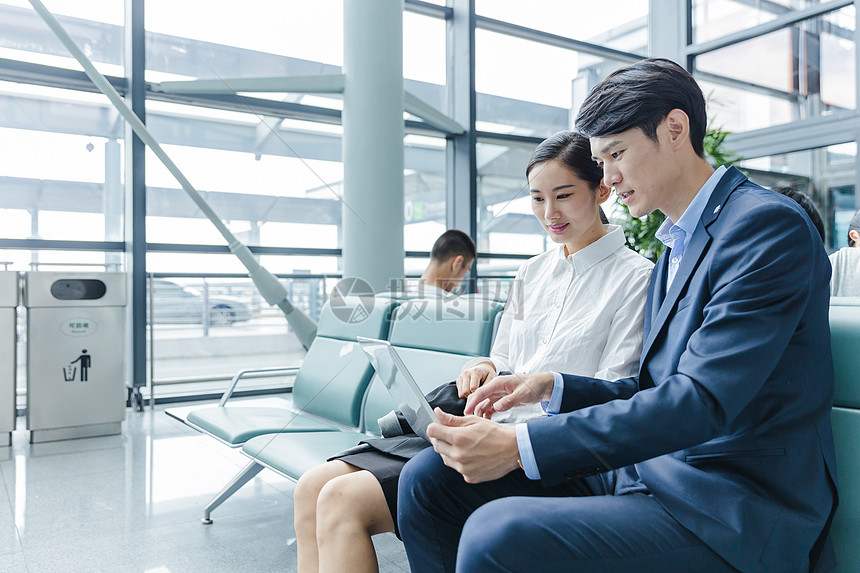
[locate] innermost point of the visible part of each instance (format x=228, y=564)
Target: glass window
x=838, y=59
x=96, y=27
x=735, y=109
x=506, y=223
x=625, y=27
x=424, y=192
x=825, y=174
x=496, y=272
x=215, y=326
x=424, y=52
x=62, y=175
x=805, y=70
x=278, y=185
x=528, y=88
x=717, y=18
x=257, y=38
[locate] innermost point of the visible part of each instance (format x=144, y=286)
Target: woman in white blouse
x=577, y=308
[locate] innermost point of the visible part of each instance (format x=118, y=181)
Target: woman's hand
x=471, y=379
x=506, y=392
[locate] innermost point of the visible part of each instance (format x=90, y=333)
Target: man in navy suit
x=719, y=455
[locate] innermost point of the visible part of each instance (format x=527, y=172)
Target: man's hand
x=505, y=392
x=471, y=379
x=479, y=449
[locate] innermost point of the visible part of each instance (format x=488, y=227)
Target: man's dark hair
x=804, y=201
x=452, y=243
x=642, y=95
x=854, y=225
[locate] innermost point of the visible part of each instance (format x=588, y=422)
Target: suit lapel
x=656, y=291
x=699, y=242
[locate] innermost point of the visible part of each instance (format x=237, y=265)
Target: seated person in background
x=578, y=307
x=450, y=259
x=845, y=280
x=804, y=201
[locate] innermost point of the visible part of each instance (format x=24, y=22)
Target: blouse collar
x=585, y=258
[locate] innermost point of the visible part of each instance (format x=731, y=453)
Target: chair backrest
x=334, y=376
x=434, y=337
x=845, y=344
x=845, y=416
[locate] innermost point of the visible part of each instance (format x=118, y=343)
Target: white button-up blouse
x=581, y=314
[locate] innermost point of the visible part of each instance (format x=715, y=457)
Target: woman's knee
x=354, y=500
x=311, y=483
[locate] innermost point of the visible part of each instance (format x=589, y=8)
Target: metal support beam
x=533, y=35
x=788, y=19
x=431, y=115
x=461, y=195
x=666, y=30
x=329, y=83
x=795, y=136
x=135, y=219
x=373, y=141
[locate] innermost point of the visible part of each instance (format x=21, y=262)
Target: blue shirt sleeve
x=527, y=455
x=554, y=404
x=524, y=444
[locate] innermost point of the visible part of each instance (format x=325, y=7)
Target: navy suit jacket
x=728, y=422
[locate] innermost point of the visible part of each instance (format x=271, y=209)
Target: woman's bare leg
x=305, y=519
x=350, y=509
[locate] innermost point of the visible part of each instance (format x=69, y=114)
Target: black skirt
x=385, y=457
x=385, y=468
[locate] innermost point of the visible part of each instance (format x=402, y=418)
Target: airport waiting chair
x=435, y=338
x=328, y=389
x=845, y=416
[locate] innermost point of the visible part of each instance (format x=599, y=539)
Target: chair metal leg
x=235, y=484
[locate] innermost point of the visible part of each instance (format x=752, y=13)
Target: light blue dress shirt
x=676, y=236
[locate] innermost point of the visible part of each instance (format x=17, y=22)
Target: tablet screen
x=394, y=375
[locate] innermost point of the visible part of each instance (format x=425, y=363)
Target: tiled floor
x=133, y=502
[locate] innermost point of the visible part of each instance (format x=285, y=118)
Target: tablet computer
x=400, y=383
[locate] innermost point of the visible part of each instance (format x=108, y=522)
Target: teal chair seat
x=235, y=424
x=433, y=337
x=294, y=454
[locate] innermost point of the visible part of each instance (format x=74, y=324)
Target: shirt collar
x=426, y=291
x=585, y=258
x=690, y=218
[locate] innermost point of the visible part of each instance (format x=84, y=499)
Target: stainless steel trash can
x=8, y=357
x=75, y=354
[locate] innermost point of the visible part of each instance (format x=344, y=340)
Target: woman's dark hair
x=642, y=95
x=572, y=150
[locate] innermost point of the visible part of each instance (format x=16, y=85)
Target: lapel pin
x=717, y=209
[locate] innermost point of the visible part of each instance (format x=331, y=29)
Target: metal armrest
x=239, y=375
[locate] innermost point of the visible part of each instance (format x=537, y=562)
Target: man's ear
x=678, y=127
x=457, y=263
x=855, y=235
